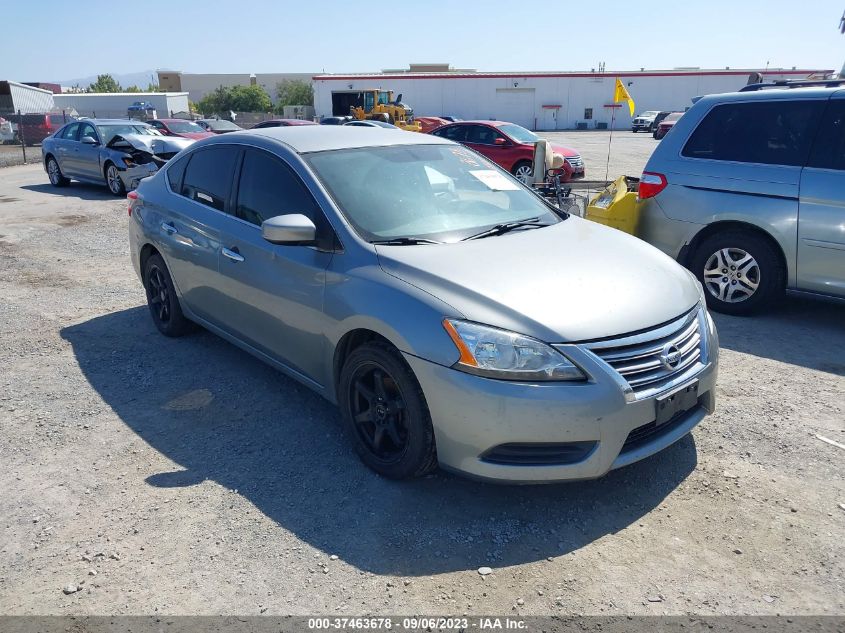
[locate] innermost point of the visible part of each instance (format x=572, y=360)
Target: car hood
x=574, y=281
x=151, y=144
x=566, y=152
x=195, y=135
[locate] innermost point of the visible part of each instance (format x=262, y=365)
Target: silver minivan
x=748, y=192
x=454, y=316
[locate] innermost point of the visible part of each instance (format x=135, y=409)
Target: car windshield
x=184, y=127
x=443, y=193
x=673, y=117
x=519, y=133
x=649, y=113
x=222, y=125
x=108, y=132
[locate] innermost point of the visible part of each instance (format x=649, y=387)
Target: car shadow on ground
x=80, y=190
x=798, y=330
x=225, y=416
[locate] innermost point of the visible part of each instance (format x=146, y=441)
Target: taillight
x=133, y=197
x=651, y=184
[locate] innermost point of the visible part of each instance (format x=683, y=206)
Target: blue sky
x=47, y=40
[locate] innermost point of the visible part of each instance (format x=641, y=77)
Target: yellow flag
x=621, y=94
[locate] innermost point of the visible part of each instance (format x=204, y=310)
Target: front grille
x=575, y=161
x=538, y=454
x=643, y=359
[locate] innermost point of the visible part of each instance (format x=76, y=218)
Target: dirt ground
x=150, y=475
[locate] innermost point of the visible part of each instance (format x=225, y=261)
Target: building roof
x=122, y=94
x=609, y=74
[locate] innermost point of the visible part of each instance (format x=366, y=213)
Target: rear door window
x=775, y=132
x=453, y=132
x=208, y=176
x=829, y=149
x=69, y=133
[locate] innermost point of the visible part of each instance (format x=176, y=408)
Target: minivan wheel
x=55, y=174
x=524, y=170
x=113, y=180
x=741, y=272
x=162, y=300
x=385, y=413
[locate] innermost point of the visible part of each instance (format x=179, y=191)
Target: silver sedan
x=454, y=316
x=114, y=152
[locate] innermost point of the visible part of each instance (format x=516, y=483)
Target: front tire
x=741, y=272
x=54, y=173
x=113, y=180
x=524, y=170
x=385, y=413
x=162, y=300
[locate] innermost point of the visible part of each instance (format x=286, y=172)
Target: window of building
x=588, y=113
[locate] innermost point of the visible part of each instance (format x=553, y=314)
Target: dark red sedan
x=667, y=124
x=180, y=127
x=508, y=145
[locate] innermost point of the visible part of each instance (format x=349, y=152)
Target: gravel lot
x=147, y=475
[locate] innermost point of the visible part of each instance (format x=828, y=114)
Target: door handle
x=168, y=228
x=233, y=254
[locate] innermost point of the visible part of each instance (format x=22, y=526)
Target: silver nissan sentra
x=453, y=315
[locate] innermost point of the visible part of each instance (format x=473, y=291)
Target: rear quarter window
x=773, y=132
x=208, y=176
x=175, y=171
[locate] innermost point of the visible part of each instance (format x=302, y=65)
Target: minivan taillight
x=651, y=184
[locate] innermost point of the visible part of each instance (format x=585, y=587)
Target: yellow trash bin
x=617, y=205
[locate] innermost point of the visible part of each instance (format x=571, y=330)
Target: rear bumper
x=476, y=417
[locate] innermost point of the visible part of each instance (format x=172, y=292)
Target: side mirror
x=293, y=228
x=500, y=141
x=89, y=140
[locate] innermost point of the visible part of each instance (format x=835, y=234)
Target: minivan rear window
x=773, y=132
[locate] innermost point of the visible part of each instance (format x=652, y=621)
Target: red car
x=508, y=145
x=281, y=123
x=180, y=127
x=430, y=123
x=666, y=125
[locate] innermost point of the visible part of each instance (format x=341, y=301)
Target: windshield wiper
x=505, y=227
x=404, y=241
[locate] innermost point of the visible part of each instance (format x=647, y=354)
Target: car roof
x=111, y=122
x=786, y=94
x=481, y=122
x=318, y=138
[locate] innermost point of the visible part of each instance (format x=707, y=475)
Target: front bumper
x=473, y=416
x=131, y=176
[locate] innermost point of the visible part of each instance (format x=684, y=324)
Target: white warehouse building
x=115, y=104
x=543, y=100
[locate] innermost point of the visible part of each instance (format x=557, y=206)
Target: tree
x=237, y=98
x=132, y=88
x=293, y=92
x=105, y=83
x=153, y=88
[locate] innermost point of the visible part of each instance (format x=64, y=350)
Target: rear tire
x=54, y=173
x=741, y=272
x=162, y=299
x=385, y=413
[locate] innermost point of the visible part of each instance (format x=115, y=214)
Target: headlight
x=495, y=353
x=128, y=161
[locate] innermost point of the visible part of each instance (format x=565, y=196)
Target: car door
x=87, y=155
x=274, y=293
x=187, y=228
x=821, y=207
x=65, y=144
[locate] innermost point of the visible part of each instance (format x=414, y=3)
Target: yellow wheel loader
x=379, y=105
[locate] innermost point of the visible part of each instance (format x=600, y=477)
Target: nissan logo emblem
x=670, y=357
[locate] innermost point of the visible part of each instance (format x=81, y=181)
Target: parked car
x=452, y=119
x=382, y=124
x=667, y=124
x=180, y=127
x=747, y=192
x=645, y=121
x=34, y=128
x=429, y=123
x=335, y=120
x=8, y=131
x=281, y=123
x=453, y=316
x=508, y=145
x=114, y=152
x=218, y=126
x=141, y=106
